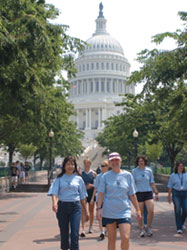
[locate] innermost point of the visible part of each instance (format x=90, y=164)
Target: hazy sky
x=131, y=22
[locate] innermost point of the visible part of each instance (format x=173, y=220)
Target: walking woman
x=145, y=186
x=68, y=194
x=177, y=191
x=116, y=191
x=104, y=169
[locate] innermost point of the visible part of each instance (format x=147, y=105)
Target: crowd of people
x=75, y=192
x=19, y=173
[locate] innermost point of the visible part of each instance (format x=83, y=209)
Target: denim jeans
x=69, y=216
x=180, y=207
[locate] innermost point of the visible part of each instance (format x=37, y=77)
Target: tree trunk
x=10, y=150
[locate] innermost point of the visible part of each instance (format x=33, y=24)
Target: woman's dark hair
x=141, y=157
x=177, y=165
x=66, y=159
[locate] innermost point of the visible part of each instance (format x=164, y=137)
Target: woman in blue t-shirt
x=115, y=194
x=145, y=185
x=68, y=194
x=177, y=186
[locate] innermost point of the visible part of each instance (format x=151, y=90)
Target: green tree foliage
x=27, y=150
x=33, y=53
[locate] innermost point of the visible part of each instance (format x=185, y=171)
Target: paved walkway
x=27, y=222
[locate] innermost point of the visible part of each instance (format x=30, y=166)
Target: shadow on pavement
x=56, y=238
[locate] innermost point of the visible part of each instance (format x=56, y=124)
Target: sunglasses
x=104, y=166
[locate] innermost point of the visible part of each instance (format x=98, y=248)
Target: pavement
x=27, y=222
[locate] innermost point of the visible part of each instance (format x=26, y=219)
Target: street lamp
x=135, y=135
x=51, y=135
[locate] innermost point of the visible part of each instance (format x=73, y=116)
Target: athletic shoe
x=102, y=236
x=90, y=231
x=179, y=231
x=183, y=228
x=145, y=227
x=142, y=233
x=149, y=232
x=83, y=235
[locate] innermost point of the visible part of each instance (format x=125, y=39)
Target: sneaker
x=183, y=228
x=149, y=232
x=102, y=236
x=142, y=233
x=145, y=227
x=179, y=231
x=83, y=235
x=90, y=231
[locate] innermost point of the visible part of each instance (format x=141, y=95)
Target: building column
x=90, y=118
x=99, y=118
x=77, y=112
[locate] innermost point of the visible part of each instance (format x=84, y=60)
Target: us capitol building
x=102, y=71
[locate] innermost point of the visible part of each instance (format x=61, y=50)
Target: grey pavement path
x=27, y=222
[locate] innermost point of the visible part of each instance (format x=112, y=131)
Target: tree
x=33, y=53
x=27, y=151
x=164, y=76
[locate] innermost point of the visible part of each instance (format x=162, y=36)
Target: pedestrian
x=68, y=196
x=27, y=168
x=104, y=169
x=22, y=173
x=14, y=175
x=88, y=176
x=145, y=186
x=116, y=193
x=177, y=191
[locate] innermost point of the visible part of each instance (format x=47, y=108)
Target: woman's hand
x=99, y=214
x=55, y=207
x=138, y=215
x=169, y=198
x=156, y=197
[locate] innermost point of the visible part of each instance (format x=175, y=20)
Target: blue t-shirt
x=143, y=178
x=116, y=188
x=178, y=181
x=68, y=188
x=97, y=182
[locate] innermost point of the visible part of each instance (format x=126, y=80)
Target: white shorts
x=14, y=178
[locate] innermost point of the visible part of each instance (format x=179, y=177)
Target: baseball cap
x=114, y=155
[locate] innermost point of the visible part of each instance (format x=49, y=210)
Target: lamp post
x=51, y=135
x=135, y=135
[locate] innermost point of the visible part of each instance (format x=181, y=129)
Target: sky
x=132, y=22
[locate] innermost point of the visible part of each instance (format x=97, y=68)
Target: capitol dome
x=100, y=82
x=103, y=42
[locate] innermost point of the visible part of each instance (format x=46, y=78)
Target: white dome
x=103, y=42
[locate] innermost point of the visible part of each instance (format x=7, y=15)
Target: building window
x=87, y=66
x=102, y=86
x=114, y=86
x=96, y=124
x=102, y=65
x=79, y=68
x=79, y=88
x=83, y=67
x=97, y=86
x=116, y=66
x=97, y=65
x=120, y=67
x=112, y=66
x=91, y=87
x=108, y=86
x=107, y=65
x=92, y=65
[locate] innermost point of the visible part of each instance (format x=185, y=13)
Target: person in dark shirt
x=14, y=175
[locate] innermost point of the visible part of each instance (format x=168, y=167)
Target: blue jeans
x=69, y=216
x=180, y=206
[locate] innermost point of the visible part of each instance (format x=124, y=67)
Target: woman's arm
x=93, y=195
x=100, y=199
x=85, y=212
x=54, y=203
x=155, y=191
x=169, y=195
x=134, y=201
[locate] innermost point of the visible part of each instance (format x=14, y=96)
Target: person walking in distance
x=68, y=196
x=177, y=191
x=88, y=176
x=104, y=169
x=145, y=186
x=116, y=193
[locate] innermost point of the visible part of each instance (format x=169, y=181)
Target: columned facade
x=102, y=72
